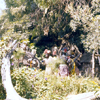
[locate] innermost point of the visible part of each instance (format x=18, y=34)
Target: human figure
x=55, y=51
x=47, y=53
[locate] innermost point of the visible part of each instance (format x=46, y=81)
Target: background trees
x=40, y=19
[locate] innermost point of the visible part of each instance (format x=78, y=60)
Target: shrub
x=35, y=84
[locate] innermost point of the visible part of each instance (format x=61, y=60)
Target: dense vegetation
x=35, y=84
x=53, y=20
x=45, y=23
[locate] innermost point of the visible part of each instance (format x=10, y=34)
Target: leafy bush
x=87, y=21
x=35, y=84
x=92, y=40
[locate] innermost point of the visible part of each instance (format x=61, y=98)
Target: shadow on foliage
x=75, y=38
x=58, y=22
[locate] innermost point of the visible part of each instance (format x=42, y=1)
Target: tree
x=6, y=77
x=92, y=40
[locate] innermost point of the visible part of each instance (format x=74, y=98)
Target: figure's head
x=47, y=53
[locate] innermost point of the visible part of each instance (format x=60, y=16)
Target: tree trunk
x=93, y=65
x=6, y=78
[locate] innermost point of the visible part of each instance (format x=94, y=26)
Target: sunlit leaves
x=94, y=34
x=43, y=4
x=14, y=3
x=86, y=17
x=17, y=11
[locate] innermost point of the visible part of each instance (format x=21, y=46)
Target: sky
x=2, y=6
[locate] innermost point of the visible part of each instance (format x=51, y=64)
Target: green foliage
x=35, y=84
x=92, y=39
x=55, y=19
x=19, y=52
x=85, y=19
x=45, y=3
x=54, y=23
x=55, y=62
